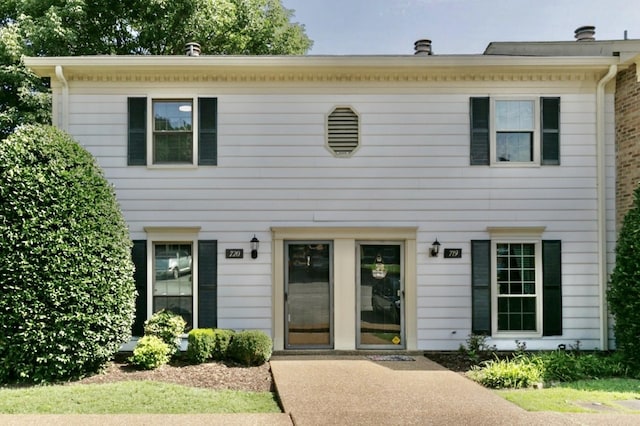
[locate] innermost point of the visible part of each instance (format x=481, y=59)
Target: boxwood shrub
x=250, y=347
x=67, y=292
x=223, y=338
x=202, y=342
x=167, y=326
x=150, y=352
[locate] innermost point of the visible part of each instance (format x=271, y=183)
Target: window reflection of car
x=386, y=297
x=172, y=265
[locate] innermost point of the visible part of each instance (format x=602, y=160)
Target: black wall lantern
x=435, y=248
x=255, y=243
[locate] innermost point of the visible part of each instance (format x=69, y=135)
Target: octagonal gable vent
x=343, y=131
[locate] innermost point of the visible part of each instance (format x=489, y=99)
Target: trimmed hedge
x=202, y=342
x=67, y=296
x=250, y=347
x=223, y=338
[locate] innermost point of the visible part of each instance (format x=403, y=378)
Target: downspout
x=65, y=98
x=602, y=204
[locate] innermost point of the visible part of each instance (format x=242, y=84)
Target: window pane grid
x=516, y=276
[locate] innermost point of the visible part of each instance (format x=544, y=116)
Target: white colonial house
x=360, y=202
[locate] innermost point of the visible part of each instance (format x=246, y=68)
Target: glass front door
x=380, y=296
x=308, y=295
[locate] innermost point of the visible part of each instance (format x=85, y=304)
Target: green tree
x=67, y=295
x=624, y=289
x=156, y=27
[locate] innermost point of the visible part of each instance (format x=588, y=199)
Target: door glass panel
x=308, y=295
x=381, y=301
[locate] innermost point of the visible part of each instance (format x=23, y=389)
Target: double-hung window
x=515, y=123
x=176, y=132
x=172, y=141
x=517, y=296
x=515, y=131
x=516, y=284
x=176, y=271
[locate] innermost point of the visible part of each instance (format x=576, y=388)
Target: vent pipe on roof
x=586, y=33
x=192, y=49
x=423, y=47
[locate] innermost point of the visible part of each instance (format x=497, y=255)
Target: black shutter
x=479, y=131
x=207, y=284
x=139, y=257
x=551, y=288
x=550, y=130
x=481, y=287
x=207, y=135
x=137, y=131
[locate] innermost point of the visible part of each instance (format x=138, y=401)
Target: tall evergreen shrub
x=66, y=277
x=624, y=290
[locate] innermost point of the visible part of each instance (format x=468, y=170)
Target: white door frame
x=344, y=267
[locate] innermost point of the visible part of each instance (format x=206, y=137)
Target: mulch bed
x=210, y=375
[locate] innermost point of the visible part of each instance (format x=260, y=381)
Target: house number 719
x=452, y=253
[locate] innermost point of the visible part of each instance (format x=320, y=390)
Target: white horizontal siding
x=412, y=169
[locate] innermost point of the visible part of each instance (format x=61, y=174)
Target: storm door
x=309, y=294
x=380, y=295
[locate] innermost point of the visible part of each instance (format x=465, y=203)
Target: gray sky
x=341, y=27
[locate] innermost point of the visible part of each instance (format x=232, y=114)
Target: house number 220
x=234, y=253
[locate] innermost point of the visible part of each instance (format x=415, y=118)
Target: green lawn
x=582, y=396
x=132, y=397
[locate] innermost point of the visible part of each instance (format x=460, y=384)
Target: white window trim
x=161, y=235
x=516, y=235
x=194, y=129
x=536, y=132
x=495, y=293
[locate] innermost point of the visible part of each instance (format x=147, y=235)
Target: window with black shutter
x=511, y=297
x=514, y=131
x=175, y=136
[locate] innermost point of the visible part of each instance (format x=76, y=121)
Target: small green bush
x=520, y=372
x=169, y=327
x=223, y=338
x=569, y=366
x=250, y=347
x=477, y=347
x=150, y=352
x=202, y=342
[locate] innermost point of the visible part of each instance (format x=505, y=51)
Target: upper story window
x=515, y=131
x=183, y=131
x=172, y=132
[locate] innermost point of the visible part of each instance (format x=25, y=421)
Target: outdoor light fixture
x=435, y=248
x=254, y=247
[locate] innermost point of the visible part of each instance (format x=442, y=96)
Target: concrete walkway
x=355, y=390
